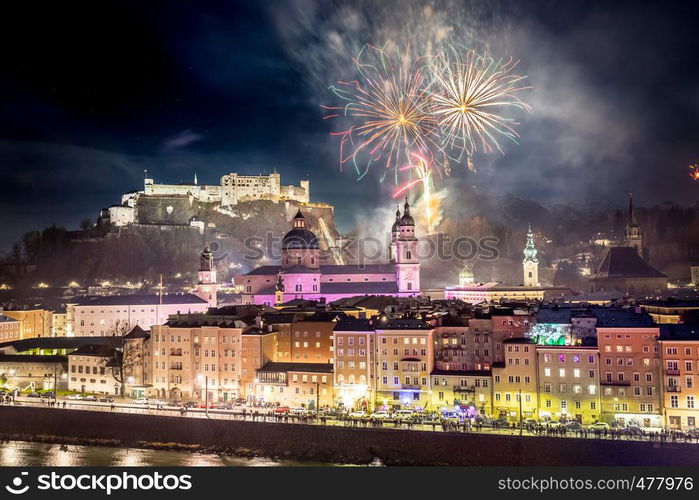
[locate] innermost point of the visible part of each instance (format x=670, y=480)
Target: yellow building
x=59, y=324
x=354, y=350
x=515, y=381
x=669, y=311
x=32, y=322
x=470, y=390
x=404, y=361
x=569, y=383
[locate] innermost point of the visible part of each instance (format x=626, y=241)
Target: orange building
x=354, y=348
x=679, y=348
x=629, y=367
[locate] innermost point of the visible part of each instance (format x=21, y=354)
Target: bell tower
x=632, y=233
x=207, y=287
x=530, y=264
x=407, y=263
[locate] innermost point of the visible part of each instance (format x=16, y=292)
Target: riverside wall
x=334, y=443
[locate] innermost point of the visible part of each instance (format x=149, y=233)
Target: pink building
x=302, y=276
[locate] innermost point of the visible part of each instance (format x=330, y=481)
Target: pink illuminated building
x=301, y=275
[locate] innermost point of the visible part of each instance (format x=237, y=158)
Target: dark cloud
x=91, y=94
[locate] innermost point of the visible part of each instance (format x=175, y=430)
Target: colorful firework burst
x=469, y=94
x=389, y=110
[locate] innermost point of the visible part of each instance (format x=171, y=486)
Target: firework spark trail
x=430, y=205
x=469, y=92
x=694, y=174
x=391, y=106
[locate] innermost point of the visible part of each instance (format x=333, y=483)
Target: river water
x=26, y=454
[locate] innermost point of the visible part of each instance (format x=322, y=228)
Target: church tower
x=407, y=264
x=395, y=233
x=530, y=264
x=207, y=287
x=632, y=233
x=279, y=291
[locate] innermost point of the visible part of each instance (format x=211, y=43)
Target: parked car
x=381, y=415
x=75, y=397
x=281, y=409
x=34, y=395
x=48, y=395
x=222, y=406
x=299, y=411
x=91, y=397
x=599, y=426
x=573, y=426
x=106, y=399
x=240, y=402
x=358, y=414
x=191, y=404
x=141, y=401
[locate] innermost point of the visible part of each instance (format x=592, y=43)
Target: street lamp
x=206, y=392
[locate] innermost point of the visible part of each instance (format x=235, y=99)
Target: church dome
x=396, y=225
x=406, y=219
x=300, y=238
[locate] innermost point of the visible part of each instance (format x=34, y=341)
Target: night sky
x=93, y=93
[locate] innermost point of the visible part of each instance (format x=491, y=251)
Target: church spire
x=530, y=264
x=530, y=250
x=632, y=220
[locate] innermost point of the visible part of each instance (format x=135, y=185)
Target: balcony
x=616, y=383
x=410, y=387
x=672, y=371
x=463, y=388
x=674, y=388
x=175, y=367
x=175, y=352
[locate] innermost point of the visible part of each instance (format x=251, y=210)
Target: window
x=674, y=401
x=690, y=402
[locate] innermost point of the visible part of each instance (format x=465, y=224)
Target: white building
x=92, y=369
x=95, y=316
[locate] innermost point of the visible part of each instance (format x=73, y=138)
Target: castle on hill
x=233, y=189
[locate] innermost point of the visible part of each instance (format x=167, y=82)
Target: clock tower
x=407, y=264
x=207, y=287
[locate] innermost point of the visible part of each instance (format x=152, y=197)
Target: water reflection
x=27, y=454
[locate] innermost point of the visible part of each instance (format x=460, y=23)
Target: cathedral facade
x=301, y=275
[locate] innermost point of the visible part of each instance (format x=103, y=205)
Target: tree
x=126, y=359
x=86, y=224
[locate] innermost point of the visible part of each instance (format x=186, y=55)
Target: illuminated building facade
x=629, y=368
x=679, y=348
x=569, y=383
x=515, y=381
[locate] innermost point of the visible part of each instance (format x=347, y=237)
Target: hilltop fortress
x=233, y=189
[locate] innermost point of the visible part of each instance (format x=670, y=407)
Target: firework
x=469, y=94
x=430, y=203
x=694, y=174
x=389, y=110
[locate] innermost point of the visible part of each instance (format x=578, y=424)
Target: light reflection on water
x=27, y=454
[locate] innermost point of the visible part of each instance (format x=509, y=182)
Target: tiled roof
x=403, y=324
x=624, y=262
x=350, y=324
x=58, y=342
x=32, y=358
x=7, y=319
x=138, y=299
x=679, y=332
x=622, y=318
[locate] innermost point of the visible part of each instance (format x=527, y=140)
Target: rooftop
x=137, y=299
x=403, y=324
x=679, y=332
x=612, y=317
x=32, y=358
x=463, y=373
x=354, y=325
x=624, y=262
